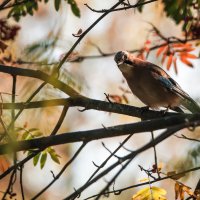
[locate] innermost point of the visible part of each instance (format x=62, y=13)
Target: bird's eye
x=125, y=57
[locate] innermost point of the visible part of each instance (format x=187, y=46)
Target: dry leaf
x=78, y=34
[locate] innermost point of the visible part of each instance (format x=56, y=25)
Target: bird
x=152, y=85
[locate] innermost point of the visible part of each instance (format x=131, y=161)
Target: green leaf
x=54, y=155
x=43, y=159
x=37, y=133
x=57, y=4
x=74, y=8
x=36, y=159
x=25, y=135
x=140, y=7
x=33, y=129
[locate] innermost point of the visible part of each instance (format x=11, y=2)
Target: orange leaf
x=188, y=49
x=125, y=98
x=185, y=61
x=160, y=50
x=185, y=50
x=188, y=55
x=163, y=58
x=146, y=49
x=141, y=56
x=177, y=188
x=175, y=65
x=116, y=98
x=4, y=164
x=169, y=62
x=148, y=42
x=180, y=45
x=181, y=193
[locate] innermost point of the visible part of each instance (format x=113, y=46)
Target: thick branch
x=85, y=136
x=88, y=103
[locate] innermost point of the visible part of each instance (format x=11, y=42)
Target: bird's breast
x=149, y=90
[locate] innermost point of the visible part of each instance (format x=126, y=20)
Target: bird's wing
x=170, y=84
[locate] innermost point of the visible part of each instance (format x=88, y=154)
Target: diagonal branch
x=16, y=71
x=119, y=191
x=130, y=156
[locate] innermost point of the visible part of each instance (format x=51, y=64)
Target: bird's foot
x=163, y=112
x=144, y=109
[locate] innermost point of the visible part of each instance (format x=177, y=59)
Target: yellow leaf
x=176, y=177
x=144, y=180
x=148, y=193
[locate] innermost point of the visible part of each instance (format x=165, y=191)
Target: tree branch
x=123, y=8
x=119, y=191
x=85, y=136
x=16, y=71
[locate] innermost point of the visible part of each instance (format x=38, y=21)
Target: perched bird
x=152, y=85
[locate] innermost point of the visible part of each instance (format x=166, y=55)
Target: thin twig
x=21, y=182
x=61, y=171
x=128, y=157
x=109, y=157
x=83, y=34
x=119, y=9
x=155, y=155
x=187, y=138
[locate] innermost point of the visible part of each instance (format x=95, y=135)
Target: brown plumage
x=152, y=85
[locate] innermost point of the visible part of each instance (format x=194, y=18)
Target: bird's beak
x=120, y=62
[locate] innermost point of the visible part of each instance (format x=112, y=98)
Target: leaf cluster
x=24, y=8
x=27, y=134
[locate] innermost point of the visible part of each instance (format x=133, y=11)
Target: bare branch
x=118, y=9
x=187, y=138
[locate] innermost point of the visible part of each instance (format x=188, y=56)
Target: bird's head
x=121, y=57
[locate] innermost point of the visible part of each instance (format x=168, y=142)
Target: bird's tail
x=191, y=105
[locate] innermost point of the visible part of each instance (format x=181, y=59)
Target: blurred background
x=45, y=37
